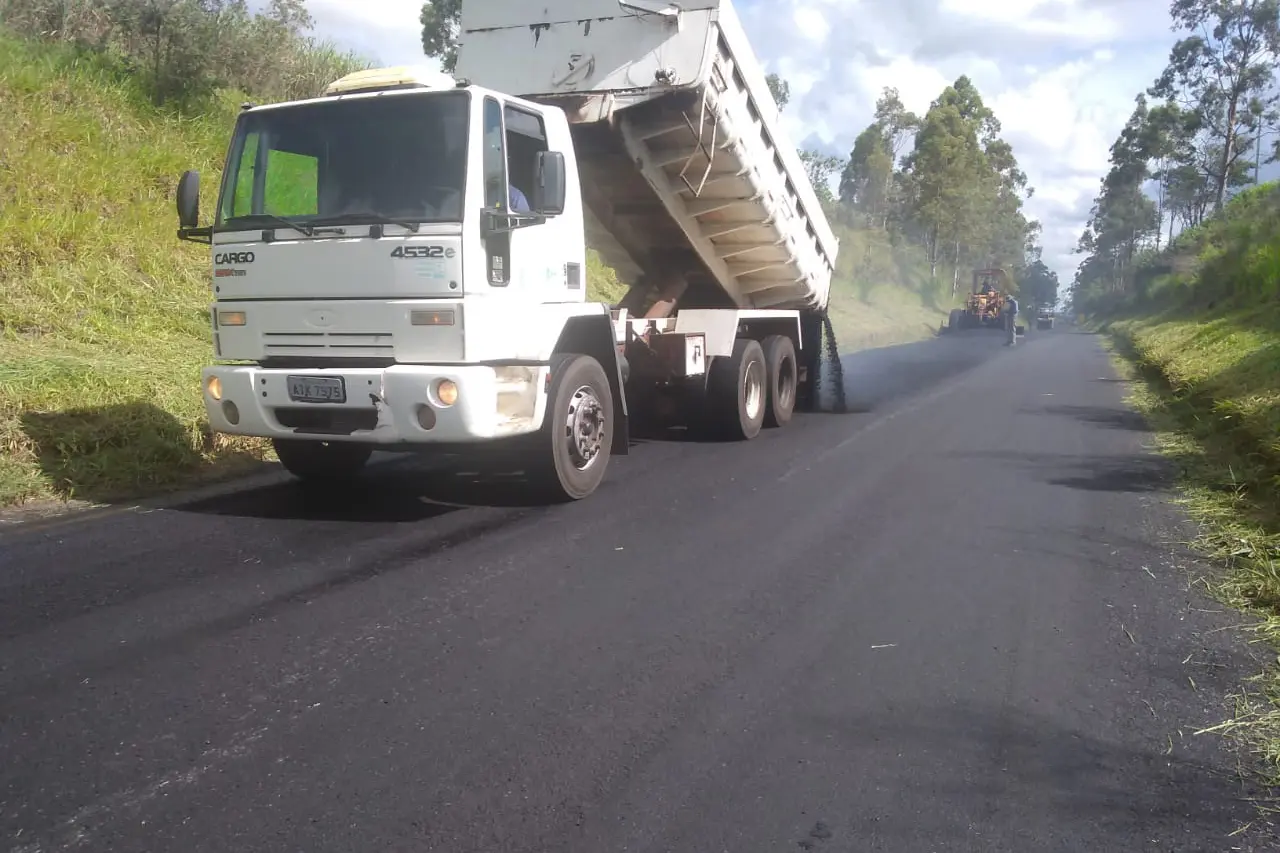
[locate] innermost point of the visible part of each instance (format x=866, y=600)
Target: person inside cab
x=519, y=204
x=516, y=200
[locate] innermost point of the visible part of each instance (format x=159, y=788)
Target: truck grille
x=335, y=344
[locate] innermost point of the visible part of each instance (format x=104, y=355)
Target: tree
x=820, y=168
x=440, y=21
x=1225, y=65
x=867, y=184
x=868, y=174
x=780, y=89
x=895, y=120
x=962, y=184
x=1038, y=284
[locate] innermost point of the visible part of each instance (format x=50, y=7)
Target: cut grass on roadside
x=1212, y=393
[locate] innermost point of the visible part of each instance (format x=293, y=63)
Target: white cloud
x=1061, y=75
x=386, y=31
x=811, y=23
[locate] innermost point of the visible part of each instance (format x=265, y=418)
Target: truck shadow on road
x=396, y=492
x=380, y=496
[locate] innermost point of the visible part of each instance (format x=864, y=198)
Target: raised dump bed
x=686, y=172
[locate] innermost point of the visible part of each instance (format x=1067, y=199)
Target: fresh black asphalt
x=957, y=620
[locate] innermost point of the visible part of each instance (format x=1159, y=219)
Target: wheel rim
x=584, y=427
x=753, y=389
x=786, y=383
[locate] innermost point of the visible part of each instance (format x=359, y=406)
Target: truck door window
x=495, y=157
x=526, y=136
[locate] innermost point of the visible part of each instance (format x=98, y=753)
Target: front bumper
x=383, y=406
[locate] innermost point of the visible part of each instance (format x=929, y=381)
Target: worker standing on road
x=1011, y=320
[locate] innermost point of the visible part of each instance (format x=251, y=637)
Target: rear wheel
x=737, y=390
x=576, y=439
x=783, y=378
x=308, y=459
x=956, y=319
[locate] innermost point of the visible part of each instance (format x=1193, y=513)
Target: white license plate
x=316, y=389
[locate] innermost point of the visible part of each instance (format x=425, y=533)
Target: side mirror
x=548, y=184
x=189, y=199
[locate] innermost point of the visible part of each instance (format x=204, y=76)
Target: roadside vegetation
x=1182, y=269
x=104, y=322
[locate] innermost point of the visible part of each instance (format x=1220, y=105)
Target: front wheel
x=576, y=439
x=309, y=459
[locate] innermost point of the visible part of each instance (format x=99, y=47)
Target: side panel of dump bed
x=684, y=166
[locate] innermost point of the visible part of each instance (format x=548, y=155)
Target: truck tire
x=956, y=319
x=783, y=378
x=309, y=459
x=737, y=392
x=576, y=439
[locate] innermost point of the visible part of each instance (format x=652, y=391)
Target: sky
x=1061, y=75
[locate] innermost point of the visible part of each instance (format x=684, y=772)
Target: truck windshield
x=396, y=158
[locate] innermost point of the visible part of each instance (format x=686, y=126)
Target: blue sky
x=1061, y=75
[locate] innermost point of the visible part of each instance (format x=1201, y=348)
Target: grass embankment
x=1206, y=337
x=882, y=293
x=104, y=313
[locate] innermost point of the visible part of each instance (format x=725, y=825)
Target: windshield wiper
x=364, y=217
x=278, y=221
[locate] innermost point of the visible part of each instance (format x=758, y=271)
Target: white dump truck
x=400, y=264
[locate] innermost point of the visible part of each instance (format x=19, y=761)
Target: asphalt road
x=951, y=622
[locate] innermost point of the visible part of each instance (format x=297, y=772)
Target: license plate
x=316, y=389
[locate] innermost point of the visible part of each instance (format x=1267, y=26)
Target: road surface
x=947, y=623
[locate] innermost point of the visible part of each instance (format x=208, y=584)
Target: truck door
x=527, y=259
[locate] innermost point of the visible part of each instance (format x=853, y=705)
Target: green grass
x=104, y=318
x=1205, y=340
x=103, y=325
x=882, y=293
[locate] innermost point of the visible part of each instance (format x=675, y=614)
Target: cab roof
x=393, y=77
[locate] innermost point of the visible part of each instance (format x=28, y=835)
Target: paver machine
x=984, y=307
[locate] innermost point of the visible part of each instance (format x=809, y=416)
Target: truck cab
x=374, y=288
